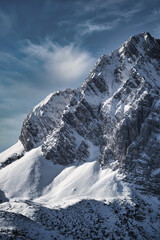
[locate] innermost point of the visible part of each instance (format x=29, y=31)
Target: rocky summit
x=87, y=163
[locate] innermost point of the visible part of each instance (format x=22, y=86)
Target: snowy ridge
x=44, y=118
x=88, y=160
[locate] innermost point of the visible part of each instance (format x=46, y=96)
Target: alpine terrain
x=87, y=162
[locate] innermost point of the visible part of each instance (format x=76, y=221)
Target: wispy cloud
x=37, y=70
x=156, y=12
x=88, y=27
x=62, y=64
x=110, y=14
x=127, y=15
x=94, y=5
x=157, y=31
x=6, y=22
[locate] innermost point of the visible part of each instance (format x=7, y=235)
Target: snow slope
x=79, y=201
x=27, y=177
x=33, y=176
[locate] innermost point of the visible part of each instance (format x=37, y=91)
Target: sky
x=50, y=45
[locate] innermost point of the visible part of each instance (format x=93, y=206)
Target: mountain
x=87, y=163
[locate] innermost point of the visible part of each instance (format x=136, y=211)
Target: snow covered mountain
x=87, y=163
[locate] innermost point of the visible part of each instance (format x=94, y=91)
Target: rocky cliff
x=87, y=163
x=116, y=109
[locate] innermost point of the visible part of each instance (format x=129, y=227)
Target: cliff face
x=87, y=163
x=115, y=111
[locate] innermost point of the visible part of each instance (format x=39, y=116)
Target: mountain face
x=116, y=109
x=100, y=141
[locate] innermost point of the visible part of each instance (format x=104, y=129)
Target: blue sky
x=47, y=45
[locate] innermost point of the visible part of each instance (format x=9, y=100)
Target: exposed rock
x=111, y=122
x=116, y=108
x=3, y=197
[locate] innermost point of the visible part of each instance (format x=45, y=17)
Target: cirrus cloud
x=37, y=70
x=65, y=64
x=6, y=22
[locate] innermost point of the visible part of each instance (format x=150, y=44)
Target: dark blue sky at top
x=46, y=45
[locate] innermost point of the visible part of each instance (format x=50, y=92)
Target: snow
x=93, y=150
x=126, y=107
x=36, y=187
x=34, y=177
x=156, y=172
x=16, y=149
x=28, y=176
x=53, y=103
x=43, y=102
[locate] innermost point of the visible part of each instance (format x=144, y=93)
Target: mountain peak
x=99, y=141
x=141, y=38
x=143, y=35
x=141, y=45
x=110, y=111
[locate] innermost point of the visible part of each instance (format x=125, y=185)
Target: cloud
x=126, y=14
x=156, y=31
x=88, y=27
x=31, y=74
x=46, y=65
x=156, y=12
x=65, y=64
x=111, y=13
x=94, y=5
x=6, y=22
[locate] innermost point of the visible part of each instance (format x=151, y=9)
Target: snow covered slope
x=87, y=161
x=33, y=176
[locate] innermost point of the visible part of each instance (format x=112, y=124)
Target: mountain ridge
x=99, y=142
x=85, y=111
